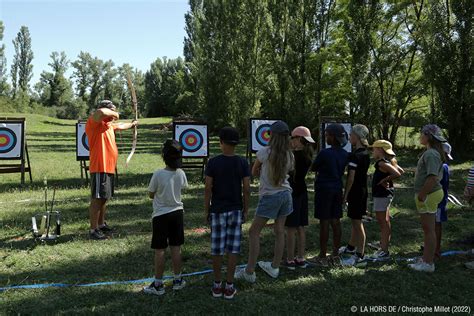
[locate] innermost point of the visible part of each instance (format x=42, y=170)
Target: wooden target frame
x=24, y=166
x=328, y=120
x=193, y=162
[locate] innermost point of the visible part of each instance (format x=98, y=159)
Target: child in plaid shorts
x=226, y=174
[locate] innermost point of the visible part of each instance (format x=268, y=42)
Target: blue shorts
x=226, y=232
x=275, y=205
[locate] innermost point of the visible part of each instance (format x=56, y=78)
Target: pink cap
x=302, y=131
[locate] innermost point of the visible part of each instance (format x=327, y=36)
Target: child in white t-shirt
x=168, y=229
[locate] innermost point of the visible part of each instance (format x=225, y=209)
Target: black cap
x=280, y=127
x=229, y=135
x=338, y=131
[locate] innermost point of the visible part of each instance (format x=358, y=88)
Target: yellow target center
x=3, y=140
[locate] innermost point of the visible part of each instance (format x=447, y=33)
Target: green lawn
x=74, y=259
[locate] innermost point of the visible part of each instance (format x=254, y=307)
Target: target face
x=11, y=140
x=260, y=133
x=193, y=138
x=82, y=143
x=347, y=128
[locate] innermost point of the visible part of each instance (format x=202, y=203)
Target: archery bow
x=135, y=109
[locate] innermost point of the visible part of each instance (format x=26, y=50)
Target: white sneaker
x=344, y=250
x=380, y=255
x=153, y=289
x=243, y=275
x=422, y=266
x=267, y=267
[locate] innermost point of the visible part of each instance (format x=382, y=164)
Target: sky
x=125, y=31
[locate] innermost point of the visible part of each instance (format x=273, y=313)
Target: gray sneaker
x=241, y=274
x=97, y=235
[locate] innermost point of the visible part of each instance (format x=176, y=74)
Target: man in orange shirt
x=103, y=153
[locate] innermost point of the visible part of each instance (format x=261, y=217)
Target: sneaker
x=290, y=265
x=178, y=284
x=335, y=261
x=97, y=235
x=469, y=265
x=243, y=275
x=354, y=261
x=422, y=266
x=301, y=263
x=153, y=289
x=319, y=262
x=217, y=290
x=380, y=255
x=345, y=250
x=106, y=228
x=267, y=267
x=229, y=292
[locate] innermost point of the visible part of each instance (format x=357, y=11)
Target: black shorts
x=102, y=185
x=168, y=229
x=327, y=204
x=299, y=216
x=357, y=204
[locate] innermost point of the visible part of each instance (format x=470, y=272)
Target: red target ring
x=8, y=140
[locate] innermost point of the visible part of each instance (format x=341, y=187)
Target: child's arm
x=257, y=165
x=388, y=168
x=430, y=182
x=349, y=182
x=207, y=197
x=246, y=185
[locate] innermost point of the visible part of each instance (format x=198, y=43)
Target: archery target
x=193, y=138
x=347, y=128
x=11, y=140
x=260, y=133
x=82, y=142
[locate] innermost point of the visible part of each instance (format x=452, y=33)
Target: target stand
x=258, y=136
x=82, y=151
x=13, y=147
x=194, y=139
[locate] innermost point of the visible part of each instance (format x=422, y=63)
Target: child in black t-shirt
x=355, y=193
x=226, y=175
x=386, y=170
x=302, y=142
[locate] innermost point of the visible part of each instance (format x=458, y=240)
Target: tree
x=448, y=63
x=4, y=89
x=22, y=67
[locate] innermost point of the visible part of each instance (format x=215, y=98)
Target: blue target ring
x=8, y=140
x=191, y=140
x=262, y=134
x=85, y=141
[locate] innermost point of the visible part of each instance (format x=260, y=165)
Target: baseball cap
x=362, y=132
x=229, y=135
x=447, y=149
x=385, y=145
x=280, y=127
x=435, y=131
x=339, y=132
x=302, y=131
x=107, y=104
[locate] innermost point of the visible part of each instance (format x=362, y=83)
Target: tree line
x=382, y=63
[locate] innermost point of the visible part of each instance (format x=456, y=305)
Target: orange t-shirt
x=103, y=152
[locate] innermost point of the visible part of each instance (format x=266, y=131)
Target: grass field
x=74, y=259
